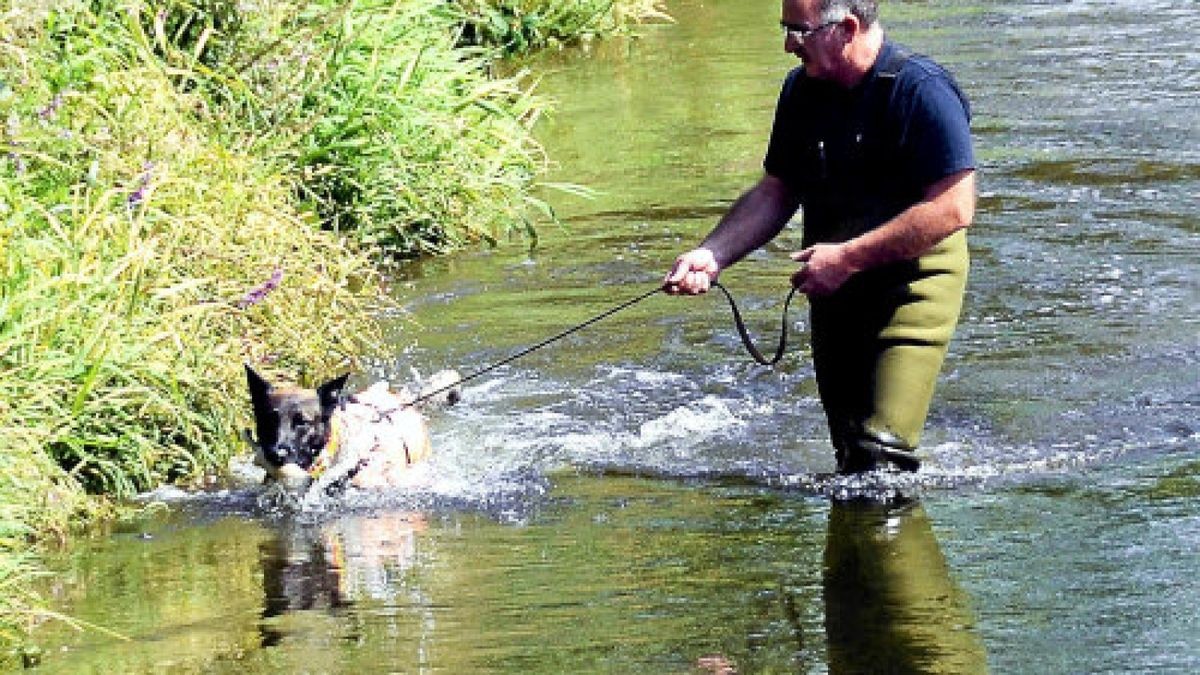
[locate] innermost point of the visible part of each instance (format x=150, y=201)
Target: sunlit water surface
x=640, y=497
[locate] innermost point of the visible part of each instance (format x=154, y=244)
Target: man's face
x=814, y=41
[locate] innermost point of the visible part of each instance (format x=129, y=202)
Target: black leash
x=746, y=340
x=737, y=319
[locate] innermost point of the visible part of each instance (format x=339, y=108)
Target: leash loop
x=745, y=334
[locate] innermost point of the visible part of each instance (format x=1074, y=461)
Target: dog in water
x=315, y=441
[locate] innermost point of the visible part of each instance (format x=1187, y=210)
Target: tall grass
x=396, y=137
x=391, y=133
x=519, y=26
x=131, y=237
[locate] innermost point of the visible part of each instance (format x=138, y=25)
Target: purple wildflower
x=12, y=129
x=257, y=294
x=50, y=110
x=139, y=195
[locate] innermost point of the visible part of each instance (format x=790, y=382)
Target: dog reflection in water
x=339, y=563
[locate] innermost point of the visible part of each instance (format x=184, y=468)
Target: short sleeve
x=783, y=130
x=937, y=137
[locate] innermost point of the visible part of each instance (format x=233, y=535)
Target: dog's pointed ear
x=330, y=393
x=260, y=389
x=256, y=382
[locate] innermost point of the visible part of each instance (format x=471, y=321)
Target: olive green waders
x=878, y=344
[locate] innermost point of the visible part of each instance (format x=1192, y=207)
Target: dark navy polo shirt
x=858, y=157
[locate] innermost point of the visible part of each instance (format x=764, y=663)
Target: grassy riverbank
x=188, y=186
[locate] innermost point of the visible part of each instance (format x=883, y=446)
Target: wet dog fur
x=379, y=439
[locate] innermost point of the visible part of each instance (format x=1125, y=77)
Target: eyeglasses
x=802, y=33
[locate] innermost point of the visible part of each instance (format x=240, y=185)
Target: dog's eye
x=299, y=421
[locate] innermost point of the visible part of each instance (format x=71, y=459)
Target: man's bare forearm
x=753, y=220
x=948, y=206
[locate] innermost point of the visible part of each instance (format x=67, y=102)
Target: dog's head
x=293, y=424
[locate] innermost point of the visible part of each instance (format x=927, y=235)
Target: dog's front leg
x=335, y=479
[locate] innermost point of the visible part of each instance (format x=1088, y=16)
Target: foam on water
x=498, y=450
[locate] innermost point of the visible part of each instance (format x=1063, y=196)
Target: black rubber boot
x=854, y=460
x=868, y=452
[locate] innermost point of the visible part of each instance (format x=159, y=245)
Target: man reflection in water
x=890, y=604
x=873, y=141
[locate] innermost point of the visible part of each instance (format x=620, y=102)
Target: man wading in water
x=873, y=141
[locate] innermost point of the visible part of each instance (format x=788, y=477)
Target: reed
x=392, y=134
x=520, y=26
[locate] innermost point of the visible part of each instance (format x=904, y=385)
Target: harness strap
x=881, y=86
x=332, y=447
x=895, y=62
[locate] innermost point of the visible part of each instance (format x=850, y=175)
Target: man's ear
x=851, y=26
x=330, y=393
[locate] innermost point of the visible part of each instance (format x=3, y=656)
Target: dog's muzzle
x=292, y=477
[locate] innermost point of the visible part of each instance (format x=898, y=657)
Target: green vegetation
x=517, y=26
x=131, y=235
x=394, y=136
x=184, y=187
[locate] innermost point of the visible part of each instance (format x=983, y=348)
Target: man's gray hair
x=867, y=11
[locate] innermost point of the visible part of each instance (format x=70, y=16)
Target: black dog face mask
x=293, y=424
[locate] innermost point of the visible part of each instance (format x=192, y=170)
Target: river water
x=641, y=497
